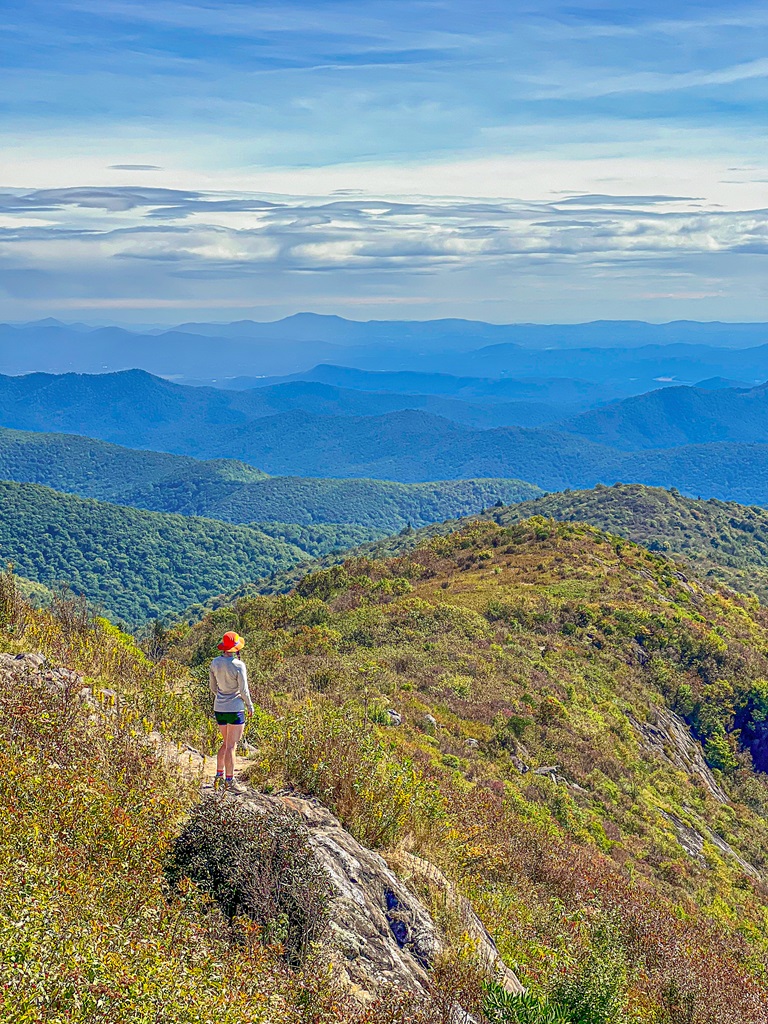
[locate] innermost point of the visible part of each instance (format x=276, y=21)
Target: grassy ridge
x=724, y=540
x=138, y=565
x=535, y=645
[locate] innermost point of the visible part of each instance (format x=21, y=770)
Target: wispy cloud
x=589, y=143
x=86, y=239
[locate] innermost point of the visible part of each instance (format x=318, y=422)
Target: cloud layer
x=114, y=248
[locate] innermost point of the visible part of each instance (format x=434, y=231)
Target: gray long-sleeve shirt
x=228, y=678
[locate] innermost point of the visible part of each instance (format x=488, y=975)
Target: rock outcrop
x=669, y=738
x=381, y=933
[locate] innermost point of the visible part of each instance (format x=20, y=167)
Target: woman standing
x=228, y=679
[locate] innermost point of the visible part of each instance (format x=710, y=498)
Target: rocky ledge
x=382, y=934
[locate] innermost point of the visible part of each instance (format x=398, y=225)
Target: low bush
x=258, y=866
x=333, y=754
x=596, y=992
x=502, y=1007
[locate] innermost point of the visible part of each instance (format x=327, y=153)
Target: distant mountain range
x=705, y=442
x=628, y=356
x=554, y=393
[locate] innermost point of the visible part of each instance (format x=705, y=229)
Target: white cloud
x=109, y=245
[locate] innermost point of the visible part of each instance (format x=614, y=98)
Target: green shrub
x=258, y=866
x=333, y=754
x=596, y=992
x=719, y=753
x=502, y=1007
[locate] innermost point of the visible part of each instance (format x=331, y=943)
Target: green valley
x=233, y=491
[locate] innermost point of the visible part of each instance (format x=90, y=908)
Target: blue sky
x=508, y=161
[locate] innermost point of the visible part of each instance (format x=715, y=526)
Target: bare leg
x=229, y=746
x=222, y=749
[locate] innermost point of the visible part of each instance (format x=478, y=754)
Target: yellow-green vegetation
x=528, y=664
x=91, y=932
x=720, y=539
x=539, y=646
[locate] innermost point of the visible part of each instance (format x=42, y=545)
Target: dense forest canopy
x=138, y=565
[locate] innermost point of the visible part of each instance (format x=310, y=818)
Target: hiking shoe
x=235, y=788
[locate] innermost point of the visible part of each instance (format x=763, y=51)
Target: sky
x=509, y=161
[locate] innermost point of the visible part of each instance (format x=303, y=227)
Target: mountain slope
x=99, y=469
x=553, y=391
x=553, y=684
x=378, y=505
x=647, y=364
x=139, y=565
x=137, y=408
x=326, y=399
x=410, y=446
x=722, y=540
x=233, y=491
x=678, y=416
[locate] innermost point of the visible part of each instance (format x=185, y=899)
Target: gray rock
x=31, y=660
x=395, y=718
x=669, y=738
x=430, y=722
x=692, y=841
x=471, y=743
x=381, y=933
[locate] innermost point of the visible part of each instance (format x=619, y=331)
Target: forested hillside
x=377, y=505
x=678, y=416
x=109, y=472
x=409, y=446
x=236, y=492
x=137, y=565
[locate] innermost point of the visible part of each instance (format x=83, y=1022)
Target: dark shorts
x=230, y=717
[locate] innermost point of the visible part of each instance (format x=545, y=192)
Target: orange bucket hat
x=231, y=642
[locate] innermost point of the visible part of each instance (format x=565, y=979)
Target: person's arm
x=212, y=681
x=245, y=693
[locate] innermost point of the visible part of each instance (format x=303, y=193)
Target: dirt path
x=191, y=762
